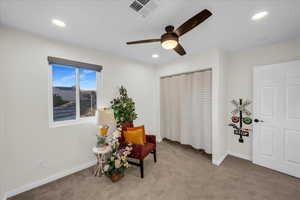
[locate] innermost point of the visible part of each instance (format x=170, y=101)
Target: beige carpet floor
x=181, y=173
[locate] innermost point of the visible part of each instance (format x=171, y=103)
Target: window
x=74, y=93
x=64, y=93
x=88, y=97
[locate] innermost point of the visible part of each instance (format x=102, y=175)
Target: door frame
x=254, y=85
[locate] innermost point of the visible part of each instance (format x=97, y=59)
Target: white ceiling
x=107, y=24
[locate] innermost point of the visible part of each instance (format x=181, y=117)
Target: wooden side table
x=100, y=155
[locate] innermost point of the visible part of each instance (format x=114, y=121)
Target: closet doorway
x=186, y=109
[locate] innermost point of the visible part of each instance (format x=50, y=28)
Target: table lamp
x=105, y=118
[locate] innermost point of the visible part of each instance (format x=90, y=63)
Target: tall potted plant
x=124, y=109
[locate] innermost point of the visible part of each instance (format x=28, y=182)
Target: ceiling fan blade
x=180, y=50
x=193, y=22
x=143, y=41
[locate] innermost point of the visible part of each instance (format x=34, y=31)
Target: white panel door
x=276, y=134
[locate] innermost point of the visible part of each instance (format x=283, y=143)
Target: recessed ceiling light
x=58, y=22
x=155, y=56
x=259, y=15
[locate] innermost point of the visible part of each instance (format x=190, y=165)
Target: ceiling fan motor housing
x=169, y=36
x=169, y=29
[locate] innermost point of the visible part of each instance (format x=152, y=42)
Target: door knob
x=257, y=120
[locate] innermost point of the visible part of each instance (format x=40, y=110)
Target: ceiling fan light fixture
x=169, y=44
x=169, y=41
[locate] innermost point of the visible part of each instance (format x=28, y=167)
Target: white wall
x=221, y=139
x=2, y=148
x=24, y=70
x=240, y=83
x=2, y=139
x=215, y=60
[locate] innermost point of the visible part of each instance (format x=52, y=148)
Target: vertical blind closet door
x=186, y=109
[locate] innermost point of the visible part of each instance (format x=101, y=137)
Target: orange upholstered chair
x=139, y=151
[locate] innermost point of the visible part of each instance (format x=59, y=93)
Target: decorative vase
x=116, y=176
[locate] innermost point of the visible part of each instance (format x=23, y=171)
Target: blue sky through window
x=65, y=76
x=87, y=79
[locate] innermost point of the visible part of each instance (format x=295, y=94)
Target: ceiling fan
x=170, y=40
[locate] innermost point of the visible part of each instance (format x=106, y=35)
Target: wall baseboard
x=49, y=179
x=220, y=160
x=238, y=155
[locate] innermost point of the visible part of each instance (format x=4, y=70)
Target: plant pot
x=126, y=125
x=116, y=176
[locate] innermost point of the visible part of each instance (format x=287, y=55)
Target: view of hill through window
x=64, y=92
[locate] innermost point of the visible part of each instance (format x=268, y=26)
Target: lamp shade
x=105, y=117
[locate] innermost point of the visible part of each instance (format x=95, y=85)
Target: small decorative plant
x=117, y=163
x=101, y=140
x=123, y=107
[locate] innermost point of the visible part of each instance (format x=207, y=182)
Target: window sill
x=88, y=120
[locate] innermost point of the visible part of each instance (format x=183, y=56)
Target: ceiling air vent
x=144, y=2
x=144, y=7
x=136, y=6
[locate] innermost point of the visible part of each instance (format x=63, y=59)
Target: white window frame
x=78, y=120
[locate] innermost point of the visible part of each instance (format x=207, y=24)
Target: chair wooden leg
x=154, y=155
x=142, y=168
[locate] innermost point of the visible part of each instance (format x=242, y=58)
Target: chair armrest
x=151, y=139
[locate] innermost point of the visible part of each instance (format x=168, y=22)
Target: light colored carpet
x=180, y=173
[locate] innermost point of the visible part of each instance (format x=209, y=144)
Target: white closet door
x=276, y=137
